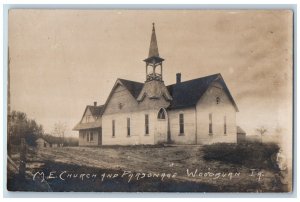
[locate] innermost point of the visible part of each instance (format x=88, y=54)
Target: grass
x=118, y=184
x=157, y=158
x=256, y=155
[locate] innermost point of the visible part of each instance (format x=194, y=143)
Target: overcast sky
x=63, y=60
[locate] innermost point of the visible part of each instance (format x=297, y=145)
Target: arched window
x=161, y=114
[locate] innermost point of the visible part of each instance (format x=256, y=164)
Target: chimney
x=95, y=104
x=178, y=78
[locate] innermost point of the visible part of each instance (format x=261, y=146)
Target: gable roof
x=184, y=94
x=188, y=93
x=96, y=111
x=132, y=86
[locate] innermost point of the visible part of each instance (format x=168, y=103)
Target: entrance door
x=161, y=134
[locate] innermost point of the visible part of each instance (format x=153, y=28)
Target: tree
x=59, y=131
x=20, y=126
x=262, y=130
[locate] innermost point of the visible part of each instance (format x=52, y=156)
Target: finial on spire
x=153, y=26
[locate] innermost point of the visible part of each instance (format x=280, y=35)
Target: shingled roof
x=96, y=110
x=133, y=87
x=90, y=125
x=187, y=93
x=184, y=94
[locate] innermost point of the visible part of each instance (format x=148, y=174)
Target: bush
x=253, y=155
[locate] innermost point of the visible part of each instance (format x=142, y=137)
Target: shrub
x=254, y=155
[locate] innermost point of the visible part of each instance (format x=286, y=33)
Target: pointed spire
x=153, y=57
x=153, y=50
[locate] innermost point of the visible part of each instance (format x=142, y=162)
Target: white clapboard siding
x=123, y=105
x=206, y=105
x=121, y=101
x=137, y=128
x=188, y=137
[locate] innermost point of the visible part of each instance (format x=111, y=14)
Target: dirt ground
x=182, y=160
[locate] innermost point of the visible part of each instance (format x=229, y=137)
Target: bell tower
x=154, y=87
x=153, y=62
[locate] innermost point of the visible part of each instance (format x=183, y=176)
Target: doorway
x=162, y=134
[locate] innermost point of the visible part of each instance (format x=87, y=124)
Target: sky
x=63, y=60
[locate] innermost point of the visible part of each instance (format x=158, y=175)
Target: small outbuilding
x=241, y=135
x=41, y=142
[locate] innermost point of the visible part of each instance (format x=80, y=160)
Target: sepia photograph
x=150, y=100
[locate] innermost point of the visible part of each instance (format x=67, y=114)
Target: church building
x=198, y=111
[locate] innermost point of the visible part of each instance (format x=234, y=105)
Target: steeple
x=153, y=50
x=154, y=88
x=153, y=59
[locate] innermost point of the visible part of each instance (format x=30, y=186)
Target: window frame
x=210, y=124
x=128, y=127
x=113, y=128
x=181, y=123
x=147, y=124
x=161, y=115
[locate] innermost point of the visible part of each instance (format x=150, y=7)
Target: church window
x=218, y=100
x=225, y=126
x=210, y=124
x=181, y=123
x=113, y=128
x=120, y=105
x=128, y=126
x=161, y=114
x=146, y=124
x=87, y=137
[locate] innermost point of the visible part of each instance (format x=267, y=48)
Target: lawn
x=183, y=168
